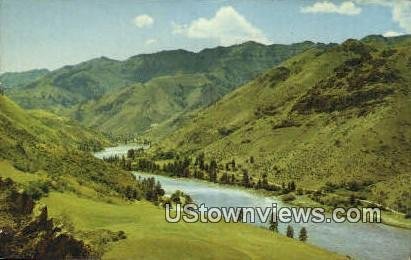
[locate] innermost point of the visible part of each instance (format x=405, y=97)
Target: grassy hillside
x=40, y=143
x=324, y=118
x=149, y=236
x=85, y=198
x=104, y=93
x=19, y=79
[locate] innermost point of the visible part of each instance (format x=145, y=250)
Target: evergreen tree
x=264, y=183
x=292, y=186
x=240, y=216
x=273, y=224
x=303, y=234
x=130, y=153
x=246, y=179
x=232, y=179
x=290, y=231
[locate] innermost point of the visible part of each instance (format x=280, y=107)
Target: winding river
x=359, y=240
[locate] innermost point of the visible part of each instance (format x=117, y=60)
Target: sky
x=52, y=33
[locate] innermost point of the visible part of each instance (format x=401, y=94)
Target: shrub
x=288, y=197
x=37, y=189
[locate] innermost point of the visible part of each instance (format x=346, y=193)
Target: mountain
x=58, y=201
x=58, y=149
x=18, y=79
x=328, y=116
x=145, y=90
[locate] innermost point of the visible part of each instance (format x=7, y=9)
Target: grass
x=8, y=171
x=305, y=121
x=396, y=220
x=150, y=237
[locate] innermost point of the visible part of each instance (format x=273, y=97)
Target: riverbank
x=345, y=238
x=387, y=217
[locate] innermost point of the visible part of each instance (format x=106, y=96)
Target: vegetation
x=290, y=231
x=303, y=234
x=36, y=237
x=93, y=208
x=151, y=91
x=11, y=80
x=336, y=114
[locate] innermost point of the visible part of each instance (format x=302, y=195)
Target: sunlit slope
x=38, y=143
x=325, y=115
x=84, y=199
x=170, y=82
x=150, y=236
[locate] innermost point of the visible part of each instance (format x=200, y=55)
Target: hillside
x=104, y=93
x=19, y=79
x=327, y=117
x=57, y=201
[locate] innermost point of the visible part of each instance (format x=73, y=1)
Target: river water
x=359, y=240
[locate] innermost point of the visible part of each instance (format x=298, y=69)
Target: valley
x=305, y=124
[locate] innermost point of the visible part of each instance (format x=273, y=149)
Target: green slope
x=85, y=201
x=19, y=79
x=333, y=115
x=104, y=93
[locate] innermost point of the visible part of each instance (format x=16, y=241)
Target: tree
x=303, y=234
x=273, y=224
x=224, y=178
x=246, y=179
x=130, y=153
x=291, y=186
x=290, y=231
x=159, y=190
x=240, y=216
x=200, y=161
x=213, y=171
x=251, y=159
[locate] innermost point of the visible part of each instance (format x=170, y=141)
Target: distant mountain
x=136, y=94
x=330, y=115
x=18, y=79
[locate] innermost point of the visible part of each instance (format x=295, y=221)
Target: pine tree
x=233, y=164
x=240, y=216
x=246, y=179
x=292, y=186
x=290, y=231
x=273, y=224
x=303, y=234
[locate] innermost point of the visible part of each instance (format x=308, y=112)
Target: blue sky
x=54, y=33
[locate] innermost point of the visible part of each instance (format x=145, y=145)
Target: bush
x=288, y=197
x=37, y=189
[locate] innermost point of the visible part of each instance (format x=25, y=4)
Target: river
x=359, y=240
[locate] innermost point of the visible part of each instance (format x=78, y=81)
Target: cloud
x=151, y=41
x=392, y=34
x=401, y=11
x=345, y=8
x=143, y=20
x=226, y=27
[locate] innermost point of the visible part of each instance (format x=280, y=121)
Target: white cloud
x=227, y=27
x=401, y=13
x=392, y=34
x=401, y=10
x=345, y=8
x=143, y=20
x=151, y=41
